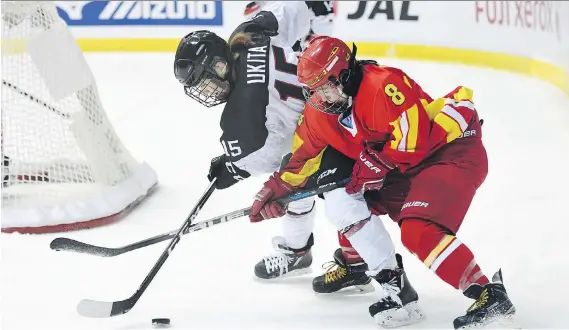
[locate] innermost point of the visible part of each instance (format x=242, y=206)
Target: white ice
x=518, y=220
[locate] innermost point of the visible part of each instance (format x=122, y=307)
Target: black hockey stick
x=100, y=309
x=93, y=308
x=67, y=244
x=71, y=245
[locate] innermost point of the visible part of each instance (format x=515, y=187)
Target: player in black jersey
x=253, y=76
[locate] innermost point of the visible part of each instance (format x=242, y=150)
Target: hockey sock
x=350, y=254
x=298, y=223
x=351, y=216
x=443, y=253
x=372, y=242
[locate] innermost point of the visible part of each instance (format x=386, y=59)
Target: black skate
x=286, y=262
x=492, y=306
x=399, y=305
x=339, y=275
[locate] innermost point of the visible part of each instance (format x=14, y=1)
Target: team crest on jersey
x=346, y=121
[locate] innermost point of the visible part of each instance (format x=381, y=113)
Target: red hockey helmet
x=319, y=70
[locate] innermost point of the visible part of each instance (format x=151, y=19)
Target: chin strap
x=352, y=77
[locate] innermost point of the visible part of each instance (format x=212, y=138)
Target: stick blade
x=67, y=244
x=95, y=309
x=102, y=309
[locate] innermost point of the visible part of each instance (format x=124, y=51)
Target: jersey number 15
x=285, y=89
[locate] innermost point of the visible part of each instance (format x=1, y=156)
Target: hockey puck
x=161, y=322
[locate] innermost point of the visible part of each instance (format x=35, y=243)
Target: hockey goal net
x=63, y=165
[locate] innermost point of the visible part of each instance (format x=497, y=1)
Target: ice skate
x=286, y=262
x=399, y=306
x=340, y=275
x=491, y=308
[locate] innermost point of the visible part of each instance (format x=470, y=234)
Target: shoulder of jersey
x=375, y=72
x=321, y=8
x=254, y=32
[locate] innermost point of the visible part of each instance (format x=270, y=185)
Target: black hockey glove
x=226, y=173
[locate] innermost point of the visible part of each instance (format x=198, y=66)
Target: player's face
x=211, y=90
x=328, y=97
x=216, y=87
x=220, y=68
x=212, y=87
x=330, y=93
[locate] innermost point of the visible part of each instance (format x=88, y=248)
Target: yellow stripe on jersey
x=309, y=168
x=452, y=113
x=407, y=82
x=437, y=250
x=449, y=125
x=406, y=130
x=463, y=94
x=396, y=133
x=434, y=108
x=413, y=119
x=296, y=142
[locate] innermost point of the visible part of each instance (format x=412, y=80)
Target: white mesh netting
x=63, y=163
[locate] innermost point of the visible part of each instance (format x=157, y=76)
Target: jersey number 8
x=396, y=96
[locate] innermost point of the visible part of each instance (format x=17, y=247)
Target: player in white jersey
x=254, y=74
x=321, y=18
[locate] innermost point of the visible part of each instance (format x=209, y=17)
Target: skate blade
x=503, y=322
x=351, y=290
x=398, y=317
x=291, y=274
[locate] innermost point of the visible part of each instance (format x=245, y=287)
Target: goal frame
x=95, y=181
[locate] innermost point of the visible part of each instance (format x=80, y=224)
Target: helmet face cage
x=327, y=98
x=206, y=80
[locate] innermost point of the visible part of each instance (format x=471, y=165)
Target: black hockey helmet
x=201, y=64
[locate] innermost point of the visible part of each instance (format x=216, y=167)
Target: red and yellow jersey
x=390, y=108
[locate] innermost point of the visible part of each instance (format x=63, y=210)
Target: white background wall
x=534, y=29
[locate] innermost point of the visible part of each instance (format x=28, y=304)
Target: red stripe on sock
x=458, y=269
x=350, y=254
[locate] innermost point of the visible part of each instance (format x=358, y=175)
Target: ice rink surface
x=518, y=220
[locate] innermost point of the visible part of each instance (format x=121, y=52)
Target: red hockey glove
x=265, y=207
x=369, y=171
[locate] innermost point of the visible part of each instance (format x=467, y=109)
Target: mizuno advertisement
x=93, y=13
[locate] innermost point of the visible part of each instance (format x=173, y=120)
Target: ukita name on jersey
x=260, y=116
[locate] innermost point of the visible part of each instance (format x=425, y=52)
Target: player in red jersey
x=416, y=159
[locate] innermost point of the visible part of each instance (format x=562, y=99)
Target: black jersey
x=261, y=113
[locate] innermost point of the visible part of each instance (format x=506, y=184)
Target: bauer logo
x=415, y=204
x=140, y=12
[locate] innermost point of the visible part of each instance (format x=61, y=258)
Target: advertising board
x=527, y=37
x=101, y=13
